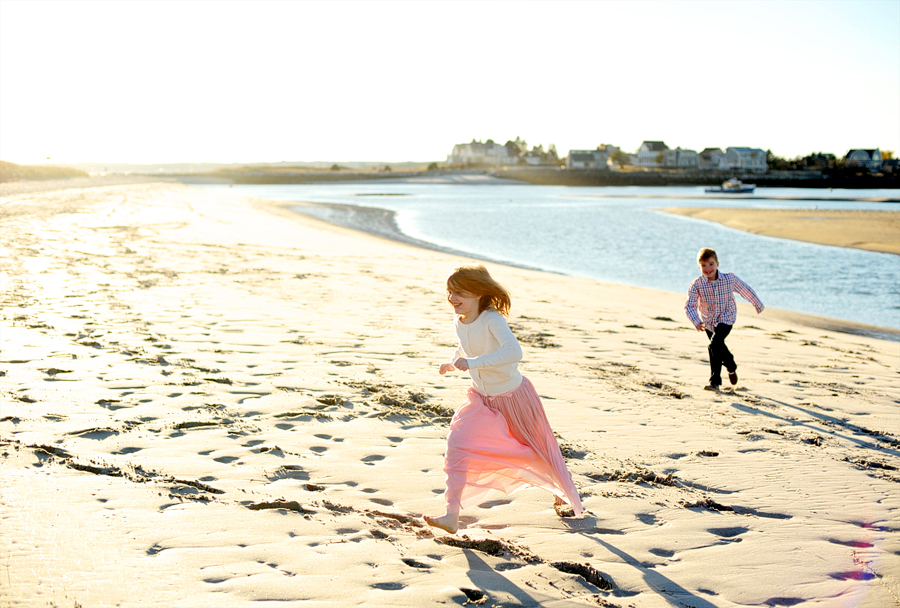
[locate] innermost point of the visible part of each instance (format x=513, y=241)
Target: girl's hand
x=461, y=364
x=446, y=367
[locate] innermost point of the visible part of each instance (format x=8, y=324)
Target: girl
x=500, y=440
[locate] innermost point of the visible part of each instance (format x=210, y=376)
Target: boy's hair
x=476, y=280
x=706, y=253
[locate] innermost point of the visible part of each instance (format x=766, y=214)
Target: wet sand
x=213, y=400
x=860, y=229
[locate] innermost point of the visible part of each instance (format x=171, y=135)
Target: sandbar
x=872, y=230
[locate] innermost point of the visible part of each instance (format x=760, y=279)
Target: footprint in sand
x=662, y=552
x=388, y=586
x=382, y=501
x=372, y=459
x=494, y=503
x=729, y=533
x=125, y=451
x=346, y=531
x=504, y=566
x=289, y=471
x=98, y=434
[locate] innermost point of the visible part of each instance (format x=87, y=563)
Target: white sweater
x=492, y=351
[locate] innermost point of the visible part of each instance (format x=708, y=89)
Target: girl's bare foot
x=562, y=508
x=448, y=522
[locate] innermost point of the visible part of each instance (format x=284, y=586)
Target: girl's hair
x=476, y=280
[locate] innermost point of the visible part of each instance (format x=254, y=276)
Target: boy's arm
x=690, y=307
x=748, y=294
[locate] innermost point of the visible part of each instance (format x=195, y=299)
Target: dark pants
x=719, y=353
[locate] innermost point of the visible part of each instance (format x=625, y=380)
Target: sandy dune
x=212, y=401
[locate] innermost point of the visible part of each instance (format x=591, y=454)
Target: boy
x=713, y=293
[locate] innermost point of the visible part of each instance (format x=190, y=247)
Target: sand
x=209, y=400
x=860, y=229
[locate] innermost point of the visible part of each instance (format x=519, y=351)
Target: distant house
x=818, y=161
x=608, y=148
x=587, y=159
x=676, y=157
x=477, y=153
x=871, y=159
x=743, y=159
x=709, y=158
x=649, y=154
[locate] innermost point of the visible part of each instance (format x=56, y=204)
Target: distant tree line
x=520, y=148
x=827, y=163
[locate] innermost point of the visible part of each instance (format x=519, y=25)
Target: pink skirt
x=499, y=445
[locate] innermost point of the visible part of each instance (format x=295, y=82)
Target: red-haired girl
x=500, y=440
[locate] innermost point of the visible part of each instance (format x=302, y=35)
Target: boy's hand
x=446, y=367
x=461, y=364
x=702, y=326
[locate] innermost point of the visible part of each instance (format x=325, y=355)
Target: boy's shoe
x=711, y=387
x=732, y=377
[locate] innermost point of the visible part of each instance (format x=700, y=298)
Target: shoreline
x=534, y=176
x=380, y=222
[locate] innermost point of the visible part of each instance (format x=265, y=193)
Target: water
x=619, y=235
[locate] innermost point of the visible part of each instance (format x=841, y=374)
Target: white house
x=477, y=153
x=649, y=154
x=709, y=158
x=743, y=159
x=864, y=158
x=676, y=157
x=587, y=159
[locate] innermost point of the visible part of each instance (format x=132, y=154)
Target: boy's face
x=709, y=268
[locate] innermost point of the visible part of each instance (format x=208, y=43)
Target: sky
x=231, y=81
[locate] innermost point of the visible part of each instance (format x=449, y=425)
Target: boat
x=733, y=186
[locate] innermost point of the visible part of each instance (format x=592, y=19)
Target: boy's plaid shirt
x=715, y=299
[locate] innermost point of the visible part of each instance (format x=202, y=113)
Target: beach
x=212, y=400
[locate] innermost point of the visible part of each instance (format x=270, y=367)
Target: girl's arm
x=509, y=351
